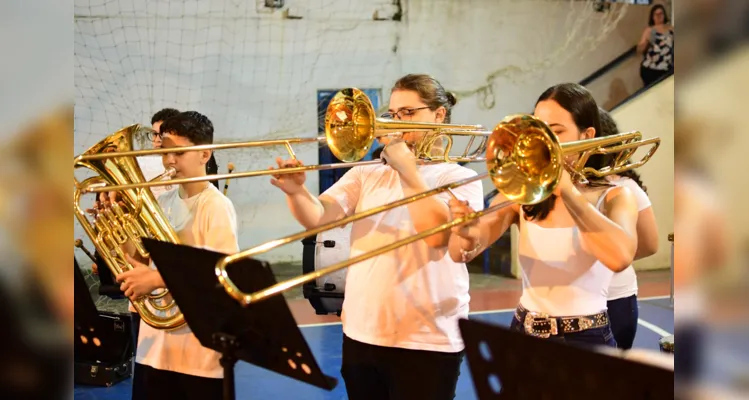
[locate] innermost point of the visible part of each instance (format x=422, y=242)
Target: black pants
x=387, y=373
x=134, y=329
x=151, y=383
x=649, y=76
x=623, y=314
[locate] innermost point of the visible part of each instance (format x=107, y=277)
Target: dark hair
x=190, y=124
x=198, y=129
x=651, y=19
x=163, y=114
x=211, y=168
x=598, y=161
x=430, y=91
x=579, y=102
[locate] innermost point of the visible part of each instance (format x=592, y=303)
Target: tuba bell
x=138, y=215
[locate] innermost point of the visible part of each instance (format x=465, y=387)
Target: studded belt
x=543, y=326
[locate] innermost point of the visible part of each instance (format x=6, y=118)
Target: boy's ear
x=205, y=156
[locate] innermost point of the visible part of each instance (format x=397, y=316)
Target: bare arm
x=310, y=211
x=428, y=212
x=610, y=236
x=475, y=237
x=647, y=234
x=434, y=210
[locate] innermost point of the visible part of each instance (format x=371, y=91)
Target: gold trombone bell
x=351, y=125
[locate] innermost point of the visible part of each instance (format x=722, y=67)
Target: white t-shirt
x=560, y=278
x=624, y=283
x=207, y=220
x=411, y=297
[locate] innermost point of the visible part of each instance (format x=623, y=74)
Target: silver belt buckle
x=532, y=319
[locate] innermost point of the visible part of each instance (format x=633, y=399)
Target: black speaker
x=107, y=356
x=113, y=328
x=103, y=341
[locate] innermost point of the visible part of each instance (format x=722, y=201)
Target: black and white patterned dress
x=659, y=57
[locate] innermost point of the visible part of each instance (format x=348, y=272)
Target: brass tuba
x=138, y=215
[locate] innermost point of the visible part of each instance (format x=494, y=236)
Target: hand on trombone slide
x=468, y=231
x=289, y=183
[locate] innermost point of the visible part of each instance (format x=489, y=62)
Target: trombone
x=524, y=161
x=351, y=129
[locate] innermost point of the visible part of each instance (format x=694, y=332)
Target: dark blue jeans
x=601, y=336
x=623, y=314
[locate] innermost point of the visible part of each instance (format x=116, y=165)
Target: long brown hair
x=579, y=102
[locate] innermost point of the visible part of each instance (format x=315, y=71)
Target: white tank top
x=559, y=277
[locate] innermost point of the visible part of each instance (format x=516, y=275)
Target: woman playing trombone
x=401, y=310
x=570, y=245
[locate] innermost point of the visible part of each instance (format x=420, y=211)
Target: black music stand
x=86, y=316
x=263, y=334
x=531, y=368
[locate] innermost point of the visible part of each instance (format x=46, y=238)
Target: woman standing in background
x=657, y=47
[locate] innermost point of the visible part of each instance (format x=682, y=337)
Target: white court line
x=653, y=327
x=641, y=322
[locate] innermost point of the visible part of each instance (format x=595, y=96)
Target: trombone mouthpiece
x=230, y=167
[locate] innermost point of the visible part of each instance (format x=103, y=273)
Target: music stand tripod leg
x=228, y=345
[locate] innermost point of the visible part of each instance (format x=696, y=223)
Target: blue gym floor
x=656, y=321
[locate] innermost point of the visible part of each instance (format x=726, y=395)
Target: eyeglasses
x=404, y=112
x=153, y=135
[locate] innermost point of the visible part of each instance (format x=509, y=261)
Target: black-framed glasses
x=403, y=112
x=153, y=135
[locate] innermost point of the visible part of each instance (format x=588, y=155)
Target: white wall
x=618, y=84
x=255, y=74
x=652, y=113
